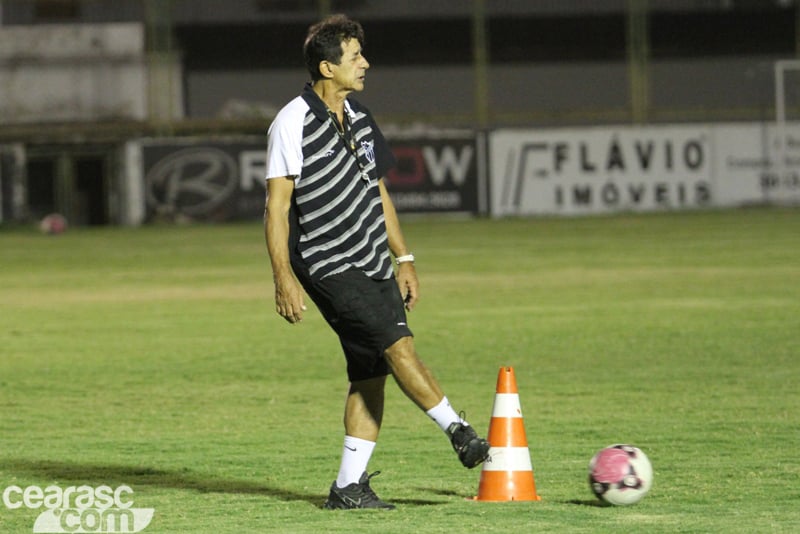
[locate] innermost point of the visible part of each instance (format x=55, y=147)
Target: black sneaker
x=471, y=449
x=355, y=496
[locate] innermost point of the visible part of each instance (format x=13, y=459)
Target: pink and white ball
x=620, y=474
x=53, y=224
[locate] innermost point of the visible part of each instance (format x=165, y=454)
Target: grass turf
x=154, y=358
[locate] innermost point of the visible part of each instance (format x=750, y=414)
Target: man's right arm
x=288, y=292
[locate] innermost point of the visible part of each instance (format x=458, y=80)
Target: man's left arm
x=406, y=272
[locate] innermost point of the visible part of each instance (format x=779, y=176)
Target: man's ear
x=325, y=69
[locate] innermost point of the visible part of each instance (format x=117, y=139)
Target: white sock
x=444, y=415
x=355, y=457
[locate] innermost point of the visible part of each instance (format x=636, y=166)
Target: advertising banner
x=223, y=179
x=599, y=170
x=435, y=174
x=572, y=171
x=202, y=179
x=757, y=163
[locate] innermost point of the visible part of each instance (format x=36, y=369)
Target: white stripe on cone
x=508, y=459
x=506, y=405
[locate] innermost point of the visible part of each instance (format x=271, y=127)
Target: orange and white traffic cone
x=507, y=474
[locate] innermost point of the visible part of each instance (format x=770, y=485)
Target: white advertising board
x=610, y=169
x=752, y=166
x=599, y=170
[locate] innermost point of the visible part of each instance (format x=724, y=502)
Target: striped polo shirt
x=336, y=219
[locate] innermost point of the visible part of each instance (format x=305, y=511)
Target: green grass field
x=154, y=358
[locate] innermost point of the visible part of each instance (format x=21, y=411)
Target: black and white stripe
x=339, y=215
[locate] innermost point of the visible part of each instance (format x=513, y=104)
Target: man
x=331, y=229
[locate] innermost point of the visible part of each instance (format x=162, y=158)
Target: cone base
x=501, y=486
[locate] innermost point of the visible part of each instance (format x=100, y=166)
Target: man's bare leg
x=421, y=387
x=413, y=377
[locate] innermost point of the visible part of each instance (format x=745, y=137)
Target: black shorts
x=368, y=315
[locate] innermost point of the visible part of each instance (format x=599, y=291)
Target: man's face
x=350, y=72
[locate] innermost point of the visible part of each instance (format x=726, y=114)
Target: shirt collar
x=318, y=106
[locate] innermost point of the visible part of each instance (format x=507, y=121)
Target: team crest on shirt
x=369, y=150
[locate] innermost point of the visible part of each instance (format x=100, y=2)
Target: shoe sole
x=328, y=507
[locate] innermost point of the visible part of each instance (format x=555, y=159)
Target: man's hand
x=409, y=284
x=289, y=299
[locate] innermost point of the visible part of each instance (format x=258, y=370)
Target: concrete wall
x=518, y=92
x=72, y=73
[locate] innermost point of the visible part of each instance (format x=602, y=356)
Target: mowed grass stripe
x=153, y=357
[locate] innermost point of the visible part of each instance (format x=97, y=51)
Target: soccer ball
x=620, y=474
x=53, y=224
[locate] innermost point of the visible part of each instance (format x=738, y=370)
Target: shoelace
x=460, y=440
x=368, y=493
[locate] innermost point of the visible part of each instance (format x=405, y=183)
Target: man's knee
x=401, y=350
x=370, y=386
